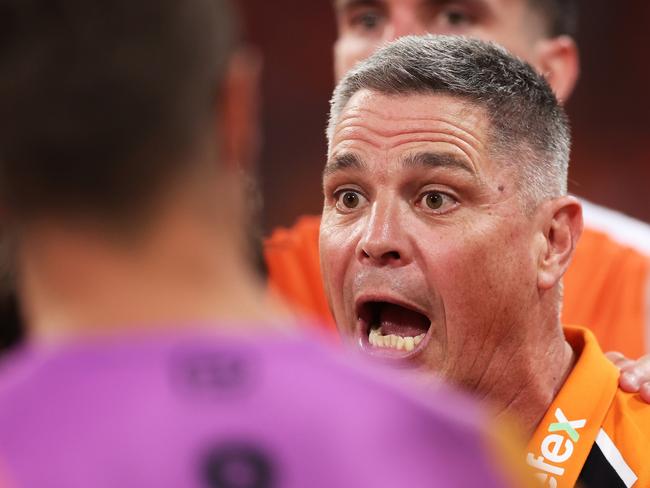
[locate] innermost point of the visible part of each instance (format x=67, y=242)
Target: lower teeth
x=392, y=341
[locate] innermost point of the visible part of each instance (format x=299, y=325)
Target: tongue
x=401, y=321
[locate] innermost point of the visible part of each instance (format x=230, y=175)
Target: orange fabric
x=591, y=401
x=604, y=287
x=293, y=264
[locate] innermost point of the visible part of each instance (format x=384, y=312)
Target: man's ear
x=239, y=110
x=558, y=60
x=562, y=229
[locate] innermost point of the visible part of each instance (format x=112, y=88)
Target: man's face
x=425, y=245
x=364, y=25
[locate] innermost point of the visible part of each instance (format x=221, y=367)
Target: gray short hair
x=529, y=129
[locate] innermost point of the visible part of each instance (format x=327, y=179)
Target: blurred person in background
x=446, y=231
x=607, y=287
x=153, y=357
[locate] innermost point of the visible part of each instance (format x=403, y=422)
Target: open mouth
x=392, y=327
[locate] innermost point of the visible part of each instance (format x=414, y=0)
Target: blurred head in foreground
x=539, y=31
x=446, y=226
x=123, y=129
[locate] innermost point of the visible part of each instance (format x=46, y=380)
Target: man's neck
x=73, y=283
x=525, y=387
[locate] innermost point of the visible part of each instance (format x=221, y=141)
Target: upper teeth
x=394, y=341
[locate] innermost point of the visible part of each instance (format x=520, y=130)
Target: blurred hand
x=635, y=375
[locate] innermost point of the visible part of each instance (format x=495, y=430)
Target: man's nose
x=384, y=241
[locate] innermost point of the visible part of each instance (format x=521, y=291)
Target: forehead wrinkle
x=470, y=146
x=469, y=151
x=437, y=159
x=363, y=118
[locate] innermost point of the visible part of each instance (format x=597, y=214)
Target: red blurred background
x=610, y=110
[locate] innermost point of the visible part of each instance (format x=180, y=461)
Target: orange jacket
x=605, y=287
x=593, y=432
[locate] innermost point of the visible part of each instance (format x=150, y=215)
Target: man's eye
x=347, y=200
x=367, y=20
x=455, y=17
x=437, y=202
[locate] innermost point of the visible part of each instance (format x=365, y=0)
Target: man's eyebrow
x=343, y=162
x=348, y=4
x=466, y=3
x=438, y=160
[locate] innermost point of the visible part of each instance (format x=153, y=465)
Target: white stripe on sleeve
x=615, y=459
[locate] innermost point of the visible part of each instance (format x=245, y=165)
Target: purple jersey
x=199, y=410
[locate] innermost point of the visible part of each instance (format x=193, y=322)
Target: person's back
x=153, y=357
x=201, y=410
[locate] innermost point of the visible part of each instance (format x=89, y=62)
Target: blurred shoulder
x=618, y=227
x=304, y=230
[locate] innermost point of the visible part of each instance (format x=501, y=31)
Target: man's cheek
x=334, y=263
x=477, y=264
